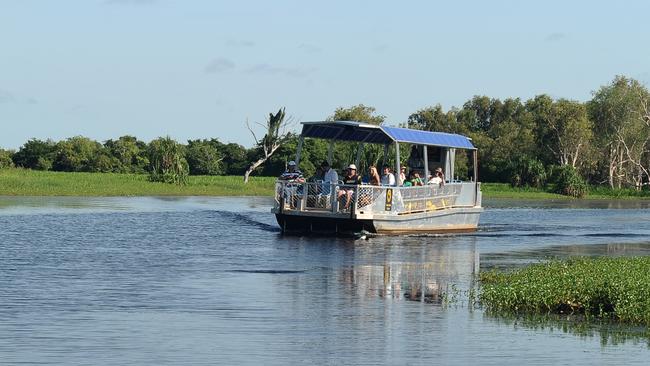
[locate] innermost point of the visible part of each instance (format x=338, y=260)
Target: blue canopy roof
x=363, y=132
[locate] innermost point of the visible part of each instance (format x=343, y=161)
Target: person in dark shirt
x=293, y=187
x=292, y=174
x=350, y=179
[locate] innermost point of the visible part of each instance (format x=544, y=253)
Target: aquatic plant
x=605, y=288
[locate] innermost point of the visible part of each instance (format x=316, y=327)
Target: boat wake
x=240, y=218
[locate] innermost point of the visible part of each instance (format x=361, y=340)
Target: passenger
x=293, y=188
x=416, y=180
x=292, y=174
x=318, y=175
x=330, y=176
x=375, y=180
x=387, y=178
x=402, y=175
x=351, y=179
x=438, y=178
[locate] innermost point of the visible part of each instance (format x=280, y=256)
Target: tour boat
x=453, y=206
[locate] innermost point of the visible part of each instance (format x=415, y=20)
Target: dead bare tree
x=276, y=134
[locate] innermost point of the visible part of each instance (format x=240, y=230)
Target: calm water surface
x=211, y=281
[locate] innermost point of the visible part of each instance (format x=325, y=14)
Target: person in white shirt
x=330, y=178
x=387, y=178
x=438, y=178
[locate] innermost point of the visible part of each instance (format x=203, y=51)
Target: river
x=145, y=280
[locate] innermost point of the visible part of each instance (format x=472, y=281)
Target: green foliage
x=620, y=112
x=568, y=182
x=35, y=154
x=203, y=157
x=168, y=164
x=76, y=155
x=525, y=171
x=357, y=113
x=5, y=159
x=610, y=288
x=130, y=153
x=434, y=119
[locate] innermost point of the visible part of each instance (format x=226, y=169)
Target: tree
x=131, y=154
x=563, y=130
x=167, y=160
x=234, y=157
x=75, y=154
x=35, y=154
x=620, y=115
x=275, y=136
x=203, y=157
x=357, y=113
x=434, y=119
x=5, y=159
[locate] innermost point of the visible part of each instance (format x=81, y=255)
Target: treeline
x=126, y=154
x=605, y=140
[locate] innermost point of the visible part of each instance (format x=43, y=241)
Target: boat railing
x=371, y=200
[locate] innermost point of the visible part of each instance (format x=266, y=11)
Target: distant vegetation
x=603, y=288
x=553, y=145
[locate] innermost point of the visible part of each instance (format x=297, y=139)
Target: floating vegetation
x=595, y=288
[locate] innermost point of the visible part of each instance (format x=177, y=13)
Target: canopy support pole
x=299, y=150
x=397, y=164
x=358, y=159
x=330, y=151
x=475, y=158
x=426, y=166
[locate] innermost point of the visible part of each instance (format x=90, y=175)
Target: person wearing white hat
x=350, y=179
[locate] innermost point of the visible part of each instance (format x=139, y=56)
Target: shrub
x=167, y=161
x=5, y=159
x=524, y=171
x=568, y=182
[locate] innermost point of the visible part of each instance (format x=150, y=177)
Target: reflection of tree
x=609, y=332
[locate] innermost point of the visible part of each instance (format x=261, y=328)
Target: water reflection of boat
x=441, y=273
x=453, y=206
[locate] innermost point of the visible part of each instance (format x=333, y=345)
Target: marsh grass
x=24, y=182
x=505, y=190
x=596, y=288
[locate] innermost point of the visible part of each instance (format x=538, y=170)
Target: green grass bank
x=25, y=182
x=598, y=288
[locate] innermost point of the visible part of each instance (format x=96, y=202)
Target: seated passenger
x=292, y=174
x=375, y=180
x=415, y=179
x=438, y=178
x=330, y=177
x=387, y=179
x=351, y=178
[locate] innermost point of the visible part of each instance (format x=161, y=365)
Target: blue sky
x=199, y=69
